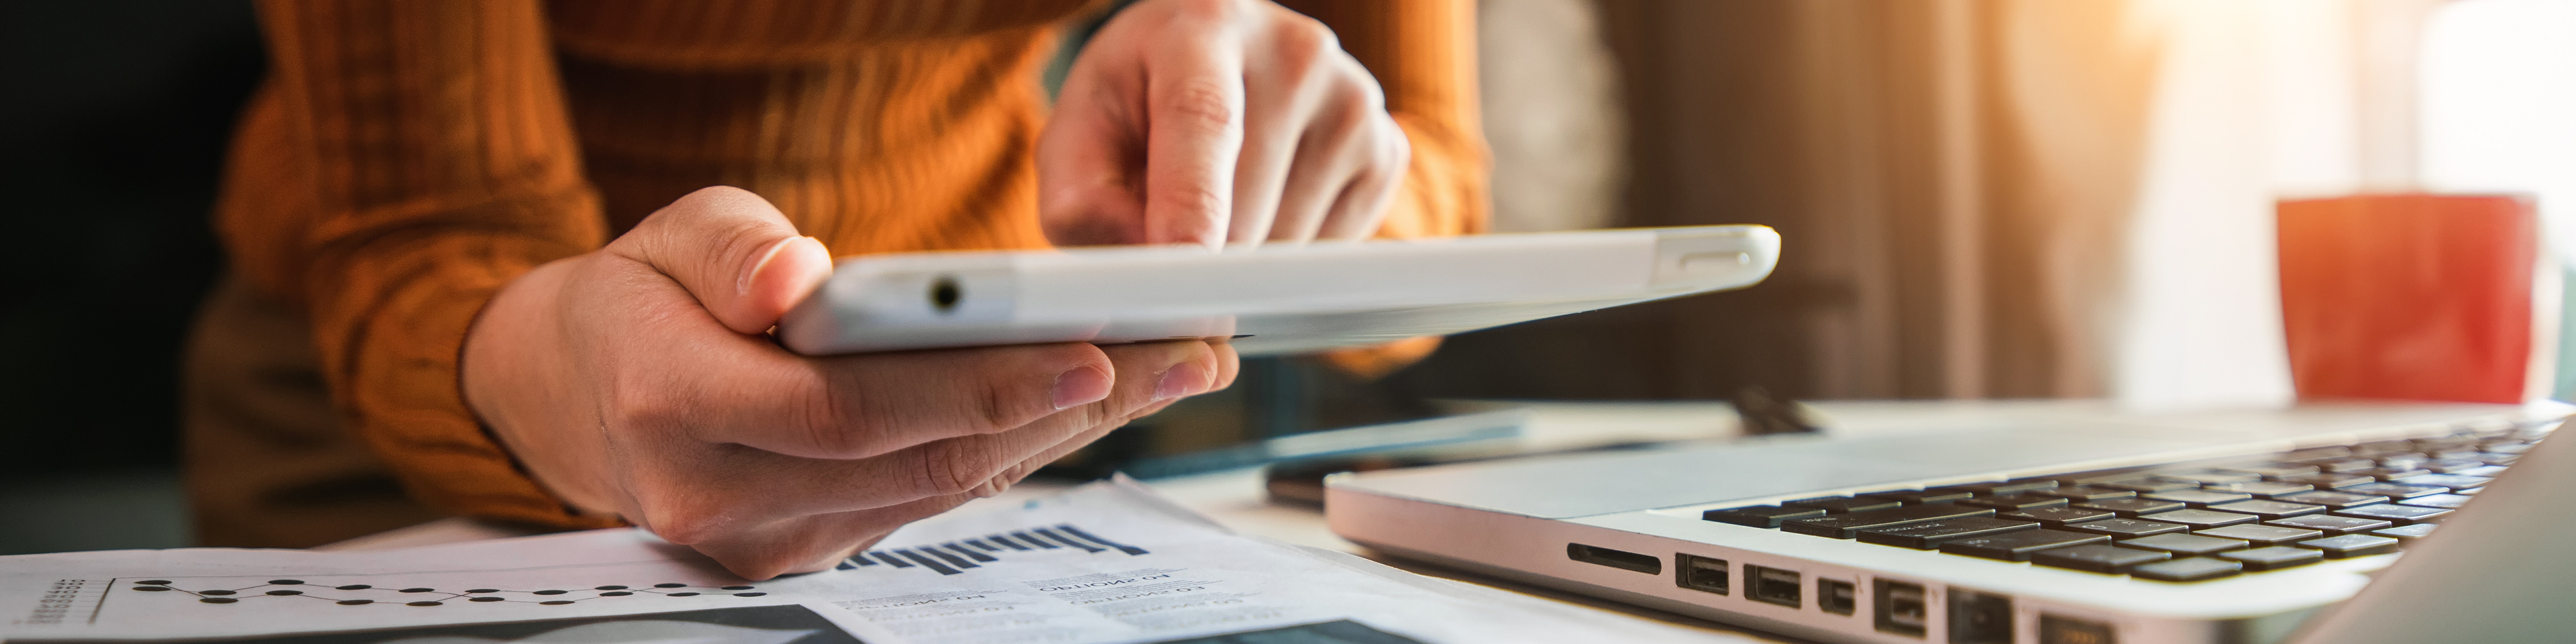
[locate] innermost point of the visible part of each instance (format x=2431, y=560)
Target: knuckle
x=1197, y=198
x=645, y=413
x=997, y=409
x=1306, y=44
x=1204, y=103
x=950, y=468
x=831, y=428
x=685, y=521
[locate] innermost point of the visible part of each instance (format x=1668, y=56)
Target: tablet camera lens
x=944, y=294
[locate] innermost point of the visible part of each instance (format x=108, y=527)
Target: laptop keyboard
x=2181, y=522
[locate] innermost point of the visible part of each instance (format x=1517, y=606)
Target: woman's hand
x=1216, y=121
x=639, y=380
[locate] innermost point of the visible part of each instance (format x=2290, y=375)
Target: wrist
x=515, y=378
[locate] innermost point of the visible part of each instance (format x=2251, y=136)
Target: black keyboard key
x=2401, y=514
x=2143, y=485
x=2451, y=481
x=2444, y=501
x=2331, y=499
x=1925, y=536
x=2351, y=545
x=2393, y=473
x=2507, y=447
x=1842, y=504
x=2327, y=481
x=2193, y=569
x=2261, y=489
x=2130, y=507
x=1846, y=526
x=2451, y=465
x=2208, y=477
x=2088, y=493
x=1760, y=516
x=2105, y=559
x=2273, y=558
x=2401, y=461
x=2076, y=479
x=2125, y=528
x=2408, y=532
x=2393, y=490
x=2184, y=545
x=2056, y=516
x=2197, y=498
x=2342, y=465
x=2019, y=546
x=2445, y=442
x=2332, y=525
x=2270, y=509
x=2324, y=451
x=1919, y=497
x=2017, y=486
x=2261, y=535
x=2314, y=453
x=2012, y=502
x=2279, y=470
x=2201, y=518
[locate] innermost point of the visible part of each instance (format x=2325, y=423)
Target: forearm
x=390, y=319
x=405, y=161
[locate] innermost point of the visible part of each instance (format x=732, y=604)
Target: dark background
x=112, y=134
x=114, y=130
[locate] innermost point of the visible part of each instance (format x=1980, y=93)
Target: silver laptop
x=2009, y=528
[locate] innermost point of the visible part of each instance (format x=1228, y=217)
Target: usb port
x=1901, y=607
x=2060, y=629
x=1979, y=617
x=1620, y=559
x=1773, y=586
x=1699, y=573
x=1835, y=596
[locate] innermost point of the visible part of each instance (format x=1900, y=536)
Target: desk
x=1236, y=498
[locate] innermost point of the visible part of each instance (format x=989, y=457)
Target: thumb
x=733, y=251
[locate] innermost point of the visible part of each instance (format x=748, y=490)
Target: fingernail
x=1081, y=386
x=751, y=274
x=1184, y=379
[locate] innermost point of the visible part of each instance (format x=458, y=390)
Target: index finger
x=866, y=405
x=1194, y=133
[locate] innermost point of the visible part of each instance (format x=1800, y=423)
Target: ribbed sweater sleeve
x=428, y=146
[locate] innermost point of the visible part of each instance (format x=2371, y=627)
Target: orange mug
x=2409, y=296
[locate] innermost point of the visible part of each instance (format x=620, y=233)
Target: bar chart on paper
x=962, y=555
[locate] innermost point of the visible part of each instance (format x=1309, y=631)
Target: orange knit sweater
x=406, y=159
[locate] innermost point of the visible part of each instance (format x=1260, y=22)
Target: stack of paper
x=1108, y=562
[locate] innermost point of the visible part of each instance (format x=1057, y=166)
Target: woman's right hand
x=639, y=379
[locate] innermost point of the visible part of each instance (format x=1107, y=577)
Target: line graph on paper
x=662, y=583
x=666, y=584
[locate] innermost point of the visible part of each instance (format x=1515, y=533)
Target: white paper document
x=1104, y=563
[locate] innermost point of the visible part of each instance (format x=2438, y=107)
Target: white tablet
x=1271, y=299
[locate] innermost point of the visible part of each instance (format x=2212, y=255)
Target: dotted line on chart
x=433, y=596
